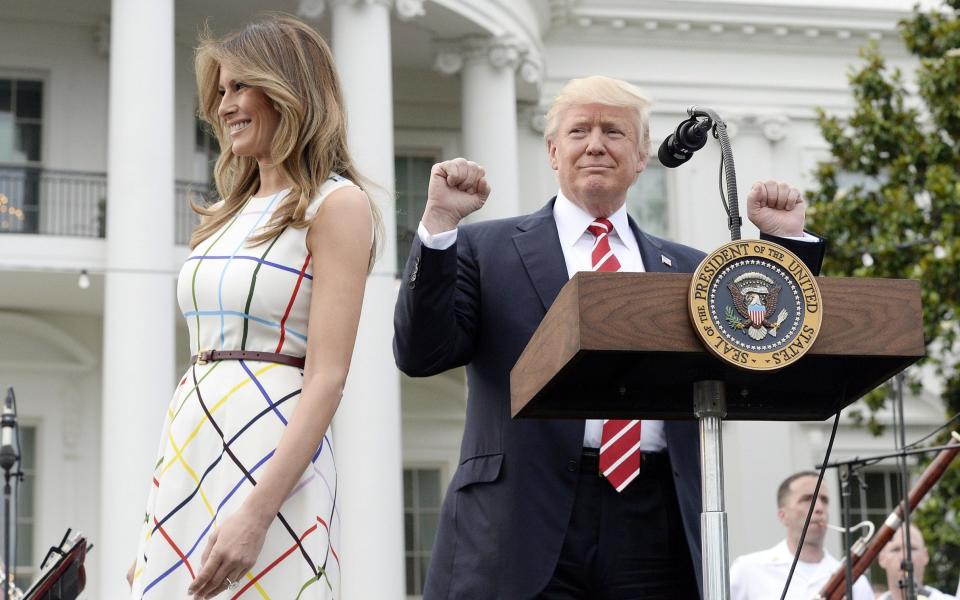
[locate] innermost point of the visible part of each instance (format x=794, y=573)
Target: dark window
x=421, y=514
x=24, y=503
x=21, y=116
x=881, y=494
x=647, y=200
x=206, y=145
x=412, y=174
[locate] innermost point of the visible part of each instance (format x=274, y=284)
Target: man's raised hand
x=457, y=188
x=776, y=208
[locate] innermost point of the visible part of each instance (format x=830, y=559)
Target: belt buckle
x=204, y=356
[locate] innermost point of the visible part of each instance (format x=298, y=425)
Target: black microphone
x=690, y=136
x=8, y=422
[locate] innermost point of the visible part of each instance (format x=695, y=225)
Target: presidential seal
x=755, y=305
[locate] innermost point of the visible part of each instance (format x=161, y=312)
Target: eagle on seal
x=755, y=298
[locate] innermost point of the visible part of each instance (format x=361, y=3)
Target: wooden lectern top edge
x=645, y=313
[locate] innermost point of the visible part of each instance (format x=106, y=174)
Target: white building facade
x=100, y=150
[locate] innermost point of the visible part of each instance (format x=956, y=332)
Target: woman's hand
x=231, y=551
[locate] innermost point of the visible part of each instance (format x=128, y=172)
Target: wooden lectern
x=624, y=342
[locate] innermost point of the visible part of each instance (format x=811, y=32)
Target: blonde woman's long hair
x=294, y=67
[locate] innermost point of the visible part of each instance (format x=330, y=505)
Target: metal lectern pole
x=710, y=406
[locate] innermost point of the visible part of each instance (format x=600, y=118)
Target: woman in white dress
x=243, y=497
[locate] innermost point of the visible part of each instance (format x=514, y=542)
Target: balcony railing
x=185, y=219
x=74, y=203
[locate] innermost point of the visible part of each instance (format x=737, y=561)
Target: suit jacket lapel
x=655, y=260
x=538, y=244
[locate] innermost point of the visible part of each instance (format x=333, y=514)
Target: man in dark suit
x=537, y=508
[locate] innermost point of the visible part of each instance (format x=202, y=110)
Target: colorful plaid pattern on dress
x=225, y=419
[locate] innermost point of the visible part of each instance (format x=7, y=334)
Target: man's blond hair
x=598, y=89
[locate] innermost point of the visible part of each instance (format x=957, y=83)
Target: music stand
x=65, y=578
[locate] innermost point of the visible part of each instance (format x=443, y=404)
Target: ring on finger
x=231, y=584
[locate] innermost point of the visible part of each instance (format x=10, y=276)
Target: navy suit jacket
x=477, y=304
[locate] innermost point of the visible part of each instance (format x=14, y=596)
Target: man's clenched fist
x=458, y=187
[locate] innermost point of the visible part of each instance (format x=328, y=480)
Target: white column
x=367, y=425
x=489, y=113
x=138, y=326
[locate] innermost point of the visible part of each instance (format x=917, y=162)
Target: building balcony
x=41, y=201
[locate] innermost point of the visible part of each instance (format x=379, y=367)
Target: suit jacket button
x=572, y=466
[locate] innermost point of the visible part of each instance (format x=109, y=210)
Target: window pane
x=411, y=577
x=647, y=200
x=424, y=565
x=428, y=531
x=877, y=493
x=408, y=497
x=25, y=544
x=421, y=490
x=429, y=488
x=420, y=172
x=6, y=137
x=408, y=531
x=412, y=178
x=5, y=95
x=856, y=499
x=28, y=436
x=29, y=99
x=28, y=142
x=199, y=135
x=25, y=498
x=873, y=503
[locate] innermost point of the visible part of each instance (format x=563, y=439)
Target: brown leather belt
x=206, y=356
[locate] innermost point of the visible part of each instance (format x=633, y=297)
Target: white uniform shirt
x=761, y=575
x=923, y=593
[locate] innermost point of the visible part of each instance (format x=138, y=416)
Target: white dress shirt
x=577, y=243
x=761, y=575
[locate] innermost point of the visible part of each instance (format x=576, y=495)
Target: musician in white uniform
x=761, y=575
x=891, y=557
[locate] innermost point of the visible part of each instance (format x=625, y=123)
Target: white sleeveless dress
x=226, y=417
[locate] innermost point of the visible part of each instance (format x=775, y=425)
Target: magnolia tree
x=889, y=203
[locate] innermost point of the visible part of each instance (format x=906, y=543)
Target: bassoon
x=863, y=557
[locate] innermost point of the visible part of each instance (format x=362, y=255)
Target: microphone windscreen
x=669, y=157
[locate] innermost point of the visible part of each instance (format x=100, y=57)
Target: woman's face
x=248, y=115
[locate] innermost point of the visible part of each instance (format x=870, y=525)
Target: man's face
x=793, y=512
x=597, y=156
x=892, y=555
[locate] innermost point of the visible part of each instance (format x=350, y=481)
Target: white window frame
x=442, y=471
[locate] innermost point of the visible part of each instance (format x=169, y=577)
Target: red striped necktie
x=620, y=440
